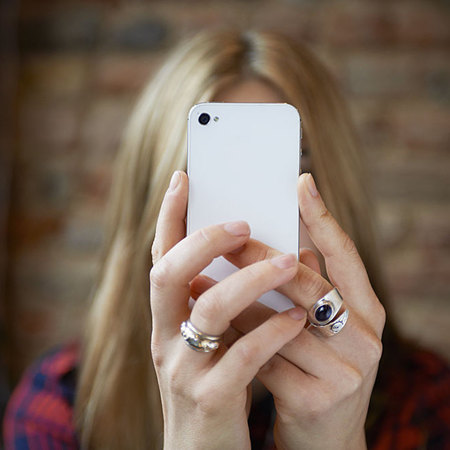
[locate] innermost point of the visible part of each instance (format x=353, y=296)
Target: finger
x=248, y=404
x=171, y=275
x=314, y=355
x=304, y=289
x=252, y=317
x=302, y=391
x=244, y=359
x=344, y=266
x=309, y=259
x=214, y=310
x=357, y=344
x=170, y=227
x=306, y=351
x=231, y=336
x=293, y=383
x=200, y=284
x=306, y=242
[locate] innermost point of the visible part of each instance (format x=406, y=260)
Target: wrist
x=208, y=433
x=291, y=438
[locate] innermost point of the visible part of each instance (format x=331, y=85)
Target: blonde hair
x=118, y=403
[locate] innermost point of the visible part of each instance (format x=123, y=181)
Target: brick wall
x=82, y=64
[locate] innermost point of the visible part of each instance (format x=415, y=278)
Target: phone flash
x=216, y=119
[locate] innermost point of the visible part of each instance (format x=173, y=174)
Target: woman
x=127, y=397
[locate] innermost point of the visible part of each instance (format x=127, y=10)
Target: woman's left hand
x=321, y=385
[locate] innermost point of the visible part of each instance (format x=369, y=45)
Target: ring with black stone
x=328, y=315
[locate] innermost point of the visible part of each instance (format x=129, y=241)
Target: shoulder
x=417, y=396
x=41, y=406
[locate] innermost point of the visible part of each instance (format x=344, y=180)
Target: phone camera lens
x=204, y=118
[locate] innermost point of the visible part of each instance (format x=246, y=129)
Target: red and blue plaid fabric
x=416, y=412
x=39, y=413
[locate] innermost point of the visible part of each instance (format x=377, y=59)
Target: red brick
x=381, y=74
x=55, y=275
x=102, y=126
x=421, y=126
x=433, y=267
x=27, y=229
x=48, y=127
x=394, y=221
x=421, y=23
x=373, y=124
x=418, y=320
x=60, y=27
x=54, y=76
x=432, y=227
x=123, y=73
x=94, y=184
x=413, y=180
x=45, y=188
x=413, y=23
x=76, y=95
x=359, y=24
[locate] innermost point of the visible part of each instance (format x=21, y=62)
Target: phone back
x=243, y=165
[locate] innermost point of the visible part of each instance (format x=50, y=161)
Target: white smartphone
x=243, y=163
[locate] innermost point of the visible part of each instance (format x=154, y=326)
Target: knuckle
x=318, y=406
x=278, y=325
x=262, y=252
x=348, y=245
x=157, y=354
x=373, y=349
x=269, y=366
x=206, y=398
x=205, y=234
x=155, y=252
x=171, y=375
x=265, y=253
x=175, y=383
x=292, y=345
x=380, y=315
x=159, y=274
x=209, y=306
x=325, y=215
x=245, y=352
x=312, y=283
x=352, y=380
x=254, y=271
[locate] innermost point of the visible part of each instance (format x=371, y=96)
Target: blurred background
x=70, y=73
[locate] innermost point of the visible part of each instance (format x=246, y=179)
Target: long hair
x=118, y=401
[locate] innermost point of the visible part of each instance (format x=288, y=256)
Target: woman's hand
x=204, y=395
x=321, y=385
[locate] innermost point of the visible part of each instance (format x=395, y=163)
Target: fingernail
x=297, y=313
x=239, y=228
x=284, y=261
x=174, y=181
x=311, y=186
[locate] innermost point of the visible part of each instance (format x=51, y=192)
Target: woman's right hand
x=204, y=395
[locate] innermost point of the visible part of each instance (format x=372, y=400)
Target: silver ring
x=197, y=340
x=329, y=315
x=335, y=326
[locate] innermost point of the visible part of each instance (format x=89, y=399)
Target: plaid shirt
x=39, y=414
x=40, y=410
